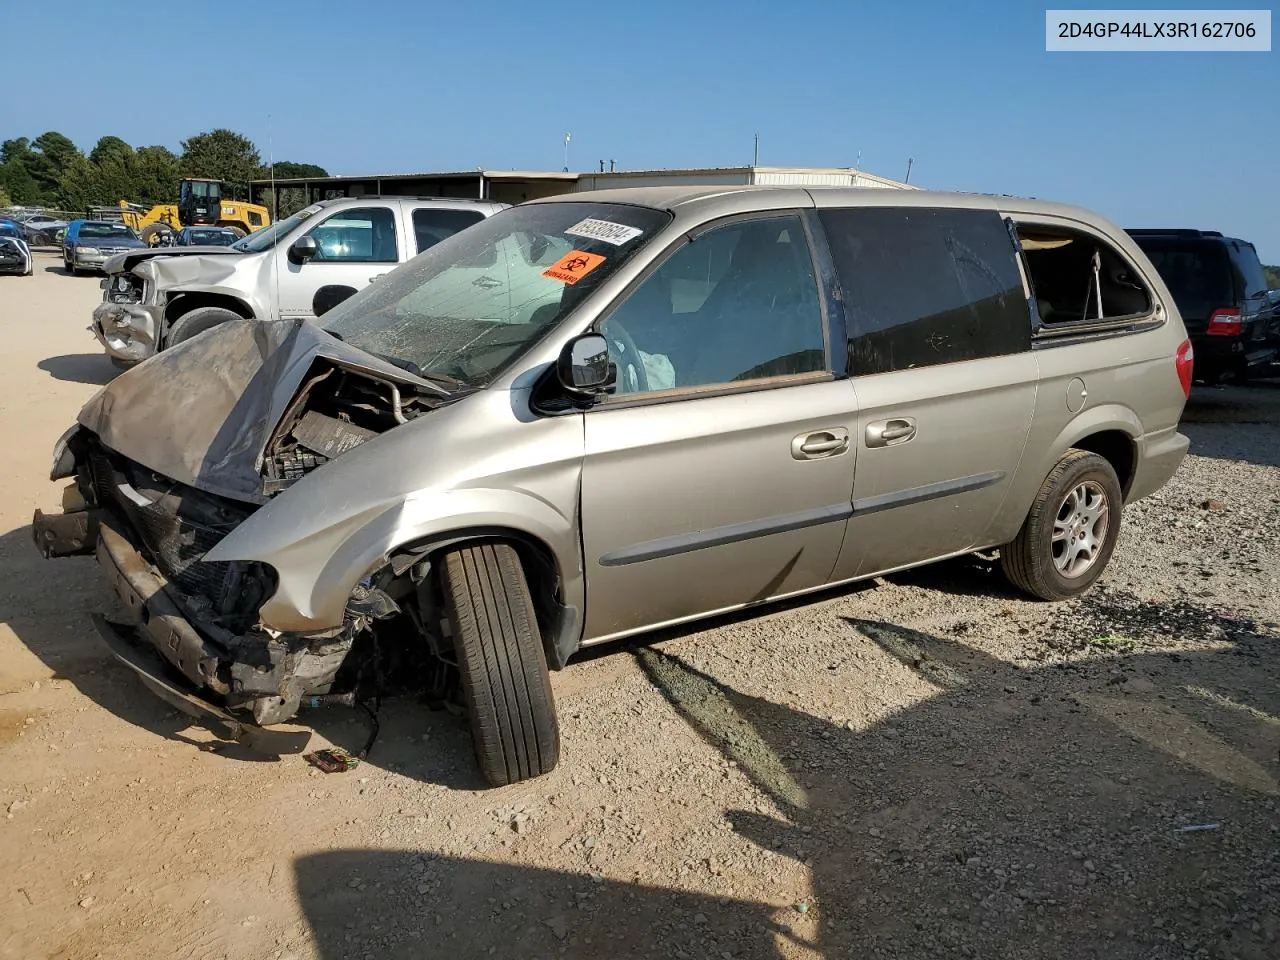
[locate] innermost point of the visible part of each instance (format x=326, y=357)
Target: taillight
x=1184, y=360
x=1225, y=322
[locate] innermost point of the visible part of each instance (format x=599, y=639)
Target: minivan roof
x=670, y=197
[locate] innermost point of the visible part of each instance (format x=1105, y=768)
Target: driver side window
x=736, y=304
x=358, y=235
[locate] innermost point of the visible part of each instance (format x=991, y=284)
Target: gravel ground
x=925, y=766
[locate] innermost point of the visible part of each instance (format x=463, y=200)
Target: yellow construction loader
x=199, y=202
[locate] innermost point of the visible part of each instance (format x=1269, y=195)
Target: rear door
x=356, y=245
x=940, y=355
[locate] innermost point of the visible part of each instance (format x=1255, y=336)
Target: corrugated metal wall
x=588, y=181
x=801, y=179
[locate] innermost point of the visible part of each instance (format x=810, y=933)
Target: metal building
x=516, y=186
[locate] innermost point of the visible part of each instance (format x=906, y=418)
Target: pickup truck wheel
x=198, y=321
x=1070, y=531
x=501, y=663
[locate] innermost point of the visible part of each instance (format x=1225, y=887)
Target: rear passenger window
x=1075, y=277
x=924, y=287
x=431, y=225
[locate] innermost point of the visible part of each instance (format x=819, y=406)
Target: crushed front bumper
x=127, y=331
x=140, y=657
x=268, y=678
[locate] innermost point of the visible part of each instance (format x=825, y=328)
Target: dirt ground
x=924, y=766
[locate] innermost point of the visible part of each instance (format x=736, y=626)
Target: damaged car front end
x=152, y=534
x=130, y=319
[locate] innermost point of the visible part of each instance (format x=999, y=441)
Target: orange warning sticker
x=573, y=266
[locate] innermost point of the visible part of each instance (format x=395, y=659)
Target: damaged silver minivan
x=597, y=414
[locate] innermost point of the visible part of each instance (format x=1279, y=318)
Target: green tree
x=285, y=169
x=17, y=180
x=80, y=185
x=51, y=153
x=154, y=173
x=220, y=154
x=5, y=200
x=1273, y=277
x=109, y=147
x=15, y=171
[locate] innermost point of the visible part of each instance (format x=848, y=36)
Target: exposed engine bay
x=334, y=412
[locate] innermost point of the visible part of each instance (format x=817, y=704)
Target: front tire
x=1070, y=532
x=197, y=322
x=501, y=662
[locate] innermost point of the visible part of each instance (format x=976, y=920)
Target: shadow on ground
x=1018, y=813
x=93, y=368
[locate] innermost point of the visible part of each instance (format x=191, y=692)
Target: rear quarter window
x=923, y=287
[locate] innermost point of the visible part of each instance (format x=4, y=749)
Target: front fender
x=318, y=573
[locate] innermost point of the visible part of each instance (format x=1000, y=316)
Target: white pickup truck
x=297, y=267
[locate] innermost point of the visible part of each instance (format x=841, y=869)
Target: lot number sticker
x=573, y=266
x=614, y=233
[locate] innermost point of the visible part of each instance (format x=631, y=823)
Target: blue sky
x=396, y=86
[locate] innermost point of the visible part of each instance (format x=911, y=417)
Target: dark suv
x=1221, y=291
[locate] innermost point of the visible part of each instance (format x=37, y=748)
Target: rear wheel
x=501, y=663
x=1070, y=531
x=198, y=321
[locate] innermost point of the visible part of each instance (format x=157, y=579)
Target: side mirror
x=584, y=369
x=303, y=249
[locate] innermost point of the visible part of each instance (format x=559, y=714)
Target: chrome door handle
x=821, y=443
x=886, y=433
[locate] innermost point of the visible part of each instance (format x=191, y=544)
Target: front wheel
x=501, y=663
x=1070, y=531
x=197, y=322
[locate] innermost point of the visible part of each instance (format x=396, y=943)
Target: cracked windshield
x=471, y=305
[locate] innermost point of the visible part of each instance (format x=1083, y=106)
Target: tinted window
x=1197, y=272
x=737, y=303
x=358, y=235
x=923, y=287
x=430, y=226
x=1250, y=267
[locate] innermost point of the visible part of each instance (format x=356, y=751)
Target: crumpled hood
x=202, y=412
x=128, y=260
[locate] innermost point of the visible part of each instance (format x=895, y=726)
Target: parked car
x=15, y=254
x=1221, y=291
x=596, y=414
x=204, y=237
x=39, y=229
x=88, y=244
x=153, y=300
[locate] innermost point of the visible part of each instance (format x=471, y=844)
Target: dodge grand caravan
x=597, y=414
